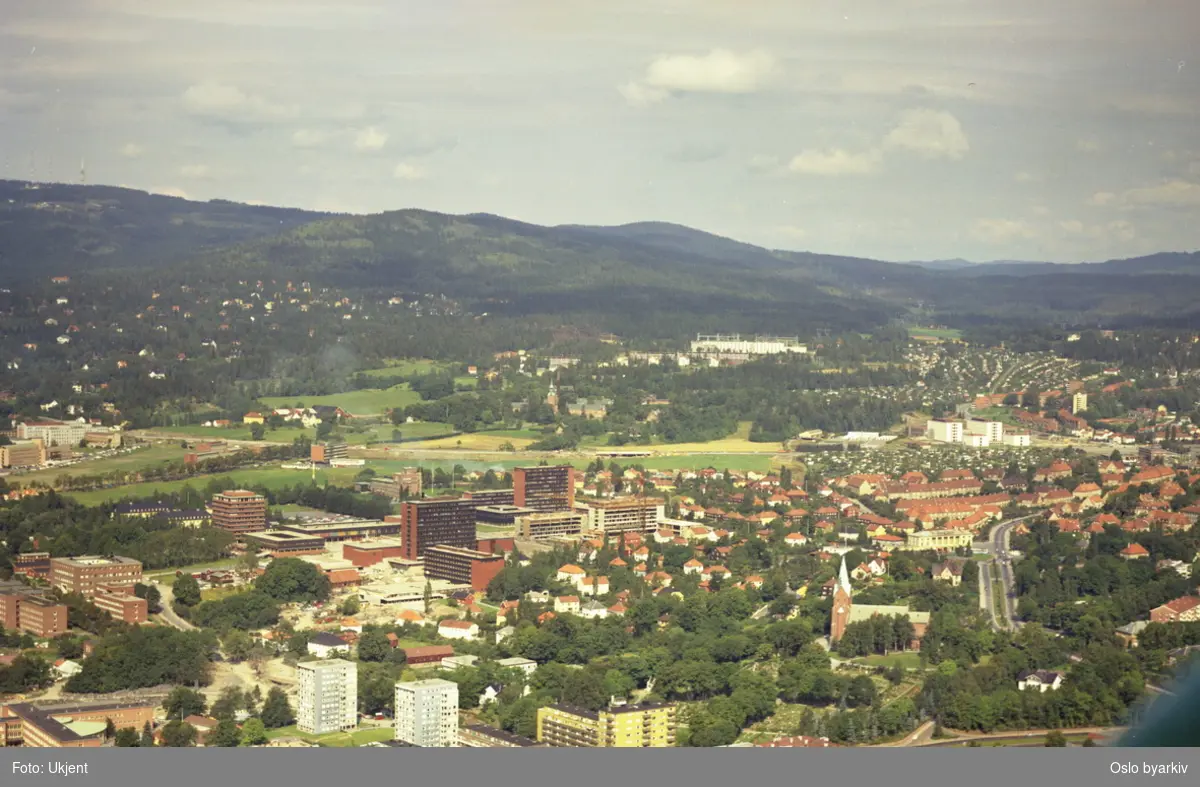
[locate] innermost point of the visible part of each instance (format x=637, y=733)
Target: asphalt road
x=168, y=614
x=999, y=546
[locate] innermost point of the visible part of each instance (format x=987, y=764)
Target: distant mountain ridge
x=641, y=271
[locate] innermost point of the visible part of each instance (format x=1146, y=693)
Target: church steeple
x=842, y=602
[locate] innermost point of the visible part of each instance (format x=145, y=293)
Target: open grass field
x=738, y=442
x=241, y=432
x=935, y=333
x=405, y=367
x=477, y=441
x=339, y=740
x=270, y=477
x=142, y=458
x=902, y=660
x=367, y=401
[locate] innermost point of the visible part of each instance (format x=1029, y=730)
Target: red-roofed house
x=1185, y=609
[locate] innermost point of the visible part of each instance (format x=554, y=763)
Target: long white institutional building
x=759, y=345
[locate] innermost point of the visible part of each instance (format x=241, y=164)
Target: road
x=964, y=739
x=998, y=546
x=168, y=614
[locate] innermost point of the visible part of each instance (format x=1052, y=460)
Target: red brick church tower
x=842, y=601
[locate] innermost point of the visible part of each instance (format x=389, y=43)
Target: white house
x=458, y=629
x=1039, y=680
x=569, y=604
x=571, y=573
x=594, y=609
x=528, y=666
x=324, y=645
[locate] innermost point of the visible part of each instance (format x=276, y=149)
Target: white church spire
x=844, y=578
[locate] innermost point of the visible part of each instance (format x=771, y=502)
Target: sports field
x=367, y=401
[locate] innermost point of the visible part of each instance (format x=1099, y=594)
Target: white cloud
x=169, y=191
x=1168, y=194
x=1101, y=198
x=370, y=139
x=408, y=171
x=1002, y=230
x=835, y=161
x=131, y=151
x=229, y=103
x=719, y=71
x=309, y=138
x=1088, y=145
x=196, y=171
x=1110, y=232
x=930, y=134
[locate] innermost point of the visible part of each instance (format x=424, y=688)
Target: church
x=845, y=612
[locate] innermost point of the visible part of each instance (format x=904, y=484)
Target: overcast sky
x=901, y=129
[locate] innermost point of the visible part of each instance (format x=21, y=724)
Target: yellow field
x=475, y=442
x=736, y=443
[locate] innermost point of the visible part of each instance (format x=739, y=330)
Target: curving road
x=998, y=545
x=168, y=614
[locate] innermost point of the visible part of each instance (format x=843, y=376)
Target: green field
x=404, y=367
x=902, y=660
x=169, y=573
x=367, y=401
x=937, y=333
x=270, y=477
x=241, y=432
x=140, y=459
x=340, y=740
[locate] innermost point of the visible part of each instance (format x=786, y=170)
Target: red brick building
x=68, y=725
x=32, y=564
x=120, y=603
x=36, y=615
x=370, y=553
x=462, y=566
x=86, y=575
x=427, y=654
x=544, y=488
x=436, y=521
x=239, y=511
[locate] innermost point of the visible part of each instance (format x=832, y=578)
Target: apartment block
x=544, y=488
x=23, y=453
x=945, y=431
x=491, y=497
x=427, y=713
x=652, y=725
x=328, y=696
x=32, y=564
x=550, y=524
x=68, y=433
x=120, y=603
x=32, y=613
x=239, y=511
x=68, y=725
x=436, y=521
x=992, y=430
x=89, y=575
x=462, y=566
x=623, y=515
x=405, y=484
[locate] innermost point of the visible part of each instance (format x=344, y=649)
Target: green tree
x=177, y=734
x=277, y=711
x=127, y=737
x=226, y=735
x=147, y=739
x=428, y=597
x=254, y=733
x=237, y=645
x=1055, y=739
x=183, y=702
x=351, y=605
x=186, y=590
x=291, y=579
x=257, y=431
x=373, y=645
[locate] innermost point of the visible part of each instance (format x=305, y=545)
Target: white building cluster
x=974, y=433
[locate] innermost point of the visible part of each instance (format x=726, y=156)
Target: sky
x=1060, y=130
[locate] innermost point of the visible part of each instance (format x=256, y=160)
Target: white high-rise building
x=427, y=712
x=992, y=430
x=1079, y=402
x=328, y=696
x=944, y=431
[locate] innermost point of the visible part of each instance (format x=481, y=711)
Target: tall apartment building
x=550, y=524
x=427, y=713
x=544, y=488
x=21, y=611
x=992, y=430
x=1079, y=402
x=652, y=725
x=462, y=566
x=441, y=520
x=89, y=575
x=945, y=431
x=328, y=696
x=23, y=453
x=490, y=497
x=624, y=514
x=239, y=511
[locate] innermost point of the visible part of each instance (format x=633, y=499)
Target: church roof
x=861, y=612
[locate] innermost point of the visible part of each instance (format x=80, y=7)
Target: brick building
x=69, y=725
x=88, y=575
x=462, y=566
x=32, y=613
x=436, y=521
x=32, y=564
x=369, y=553
x=239, y=511
x=544, y=488
x=121, y=604
x=1185, y=609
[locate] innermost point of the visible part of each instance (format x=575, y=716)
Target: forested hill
x=652, y=278
x=52, y=228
